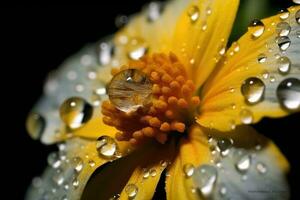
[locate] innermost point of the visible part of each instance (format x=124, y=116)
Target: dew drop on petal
x=131, y=190
x=35, y=125
x=284, y=65
x=243, y=163
x=193, y=13
x=284, y=14
x=222, y=50
x=153, y=172
x=106, y=146
x=297, y=16
x=246, y=116
x=236, y=47
x=54, y=160
x=154, y=11
x=188, y=169
x=253, y=90
x=283, y=29
x=78, y=164
x=261, y=168
x=146, y=173
x=137, y=52
x=283, y=42
x=75, y=112
x=75, y=183
x=206, y=179
x=256, y=28
x=105, y=53
x=288, y=94
x=224, y=146
x=129, y=90
x=261, y=58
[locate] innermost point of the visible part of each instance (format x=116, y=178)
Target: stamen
x=171, y=107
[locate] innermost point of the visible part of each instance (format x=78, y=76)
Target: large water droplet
x=131, y=190
x=243, y=163
x=194, y=13
x=283, y=29
x=75, y=112
x=246, y=116
x=105, y=53
x=283, y=42
x=253, y=90
x=188, y=169
x=35, y=125
x=288, y=94
x=297, y=16
x=256, y=28
x=284, y=65
x=205, y=178
x=106, y=146
x=129, y=90
x=154, y=11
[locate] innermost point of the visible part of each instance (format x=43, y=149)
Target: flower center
x=149, y=98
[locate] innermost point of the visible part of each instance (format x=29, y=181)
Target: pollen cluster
x=172, y=101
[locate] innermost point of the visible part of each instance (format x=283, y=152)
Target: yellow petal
x=201, y=34
x=193, y=152
x=69, y=173
x=244, y=86
x=144, y=179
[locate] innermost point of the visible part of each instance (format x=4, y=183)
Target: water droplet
x=283, y=42
x=261, y=168
x=261, y=58
x=224, y=146
x=298, y=34
x=137, y=51
x=256, y=28
x=154, y=11
x=236, y=47
x=296, y=1
x=163, y=163
x=222, y=50
x=284, y=14
x=77, y=163
x=35, y=125
x=131, y=190
x=153, y=172
x=91, y=163
x=54, y=160
x=59, y=179
x=253, y=90
x=194, y=13
x=284, y=65
x=146, y=173
x=206, y=177
x=106, y=146
x=288, y=94
x=223, y=190
x=129, y=90
x=243, y=163
x=75, y=112
x=105, y=53
x=246, y=116
x=188, y=169
x=297, y=16
x=283, y=29
x=121, y=21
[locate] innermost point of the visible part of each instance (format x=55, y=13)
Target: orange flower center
x=167, y=107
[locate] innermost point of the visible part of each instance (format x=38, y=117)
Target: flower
x=177, y=101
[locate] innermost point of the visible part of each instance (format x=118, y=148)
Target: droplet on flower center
x=75, y=112
x=129, y=90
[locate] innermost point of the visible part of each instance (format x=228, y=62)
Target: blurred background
x=37, y=38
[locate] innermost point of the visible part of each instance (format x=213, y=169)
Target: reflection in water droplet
x=106, y=146
x=253, y=90
x=205, y=179
x=261, y=168
x=35, y=125
x=283, y=42
x=131, y=190
x=75, y=112
x=129, y=90
x=288, y=94
x=261, y=58
x=246, y=116
x=256, y=28
x=283, y=29
x=284, y=65
x=137, y=52
x=194, y=13
x=243, y=163
x=188, y=169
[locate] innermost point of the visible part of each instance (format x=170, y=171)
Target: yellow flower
x=179, y=103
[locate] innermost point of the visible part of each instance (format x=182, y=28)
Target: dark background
x=38, y=38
